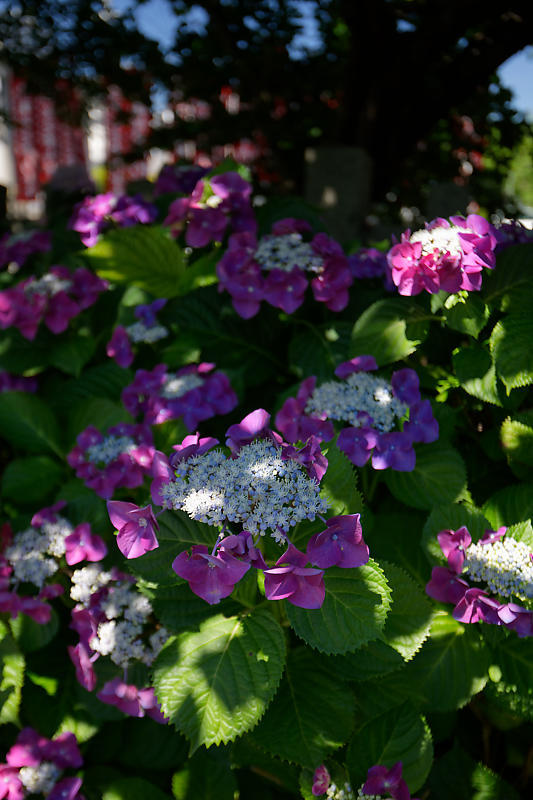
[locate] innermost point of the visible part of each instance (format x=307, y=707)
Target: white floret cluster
x=34, y=552
x=360, y=392
x=444, y=240
x=286, y=252
x=343, y=792
x=178, y=385
x=257, y=490
x=41, y=779
x=125, y=633
x=109, y=449
x=49, y=284
x=139, y=332
x=504, y=565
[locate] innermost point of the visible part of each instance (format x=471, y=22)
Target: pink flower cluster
x=214, y=204
x=381, y=782
x=35, y=765
x=32, y=557
x=55, y=298
x=17, y=248
x=93, y=215
x=16, y=383
x=193, y=393
x=447, y=256
x=121, y=458
x=372, y=405
x=277, y=267
x=495, y=559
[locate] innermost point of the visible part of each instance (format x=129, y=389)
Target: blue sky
x=516, y=74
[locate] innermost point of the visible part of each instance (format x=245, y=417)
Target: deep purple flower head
x=16, y=383
x=147, y=312
x=511, y=232
x=357, y=364
x=406, y=385
x=242, y=546
x=446, y=586
x=119, y=347
x=422, y=425
x=310, y=456
x=381, y=781
x=211, y=577
x=453, y=544
x=48, y=514
x=93, y=215
x=517, y=618
x=357, y=444
x=341, y=544
x=321, y=779
x=252, y=426
x=62, y=751
x=17, y=248
x=475, y=606
x=83, y=545
x=371, y=263
x=447, y=256
x=394, y=450
x=291, y=580
x=136, y=528
x=66, y=789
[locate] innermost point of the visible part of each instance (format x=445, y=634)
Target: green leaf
x=201, y=273
x=149, y=746
x=71, y=354
x=516, y=436
x=369, y=661
x=30, y=635
x=509, y=505
x=409, y=620
x=215, y=684
x=477, y=374
x=133, y=789
x=18, y=354
x=97, y=411
x=459, y=776
x=84, y=505
x=311, y=715
x=177, y=532
x=28, y=424
x=105, y=380
x=521, y=532
x=178, y=609
x=398, y=735
x=514, y=657
x=354, y=611
x=208, y=775
x=389, y=330
x=144, y=256
x=439, y=477
x=29, y=481
x=338, y=486
x=511, y=281
x=467, y=315
x=11, y=677
x=451, y=517
x=510, y=345
x=318, y=350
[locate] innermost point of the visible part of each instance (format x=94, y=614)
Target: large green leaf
x=389, y=330
x=178, y=609
x=97, y=411
x=317, y=350
x=369, y=661
x=466, y=314
x=30, y=635
x=28, y=424
x=29, y=481
x=510, y=284
x=207, y=775
x=354, y=610
x=147, y=257
x=71, y=353
x=338, y=486
x=451, y=517
x=509, y=505
x=516, y=436
x=477, y=374
x=177, y=532
x=398, y=735
x=216, y=683
x=311, y=715
x=457, y=775
x=510, y=345
x=134, y=789
x=11, y=677
x=439, y=477
x=409, y=620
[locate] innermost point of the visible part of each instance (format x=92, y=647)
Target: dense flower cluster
x=193, y=393
x=371, y=263
x=33, y=556
x=446, y=256
x=147, y=330
x=93, y=215
x=178, y=179
x=276, y=269
x=121, y=458
x=15, y=249
x=214, y=205
x=54, y=298
x=16, y=383
x=499, y=561
x=35, y=765
x=380, y=783
x=371, y=406
x=113, y=619
x=266, y=485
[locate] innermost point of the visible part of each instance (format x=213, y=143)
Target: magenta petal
x=118, y=511
x=134, y=541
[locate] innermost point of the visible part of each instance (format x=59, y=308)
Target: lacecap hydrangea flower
x=55, y=298
x=94, y=215
x=146, y=330
x=280, y=266
x=35, y=765
x=193, y=393
x=116, y=621
x=264, y=486
x=371, y=406
x=500, y=562
x=34, y=556
x=381, y=783
x=16, y=383
x=444, y=256
x=121, y=458
x=371, y=263
x=15, y=249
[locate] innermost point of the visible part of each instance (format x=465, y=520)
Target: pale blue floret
x=286, y=252
x=109, y=449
